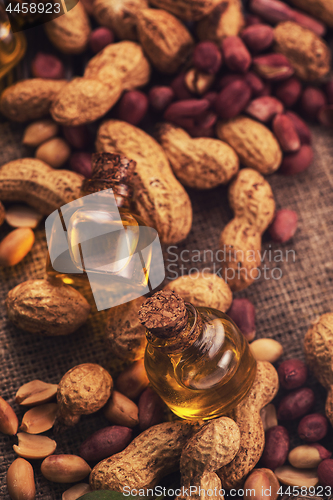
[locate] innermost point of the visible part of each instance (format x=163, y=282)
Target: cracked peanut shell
x=226, y=19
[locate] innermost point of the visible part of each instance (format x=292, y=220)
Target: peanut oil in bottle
x=12, y=49
x=104, y=238
x=196, y=358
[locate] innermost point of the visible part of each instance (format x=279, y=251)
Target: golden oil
x=112, y=238
x=126, y=278
x=210, y=376
x=12, y=49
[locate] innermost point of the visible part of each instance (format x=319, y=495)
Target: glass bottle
x=196, y=358
x=12, y=49
x=98, y=243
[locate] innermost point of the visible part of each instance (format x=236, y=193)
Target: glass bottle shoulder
x=211, y=360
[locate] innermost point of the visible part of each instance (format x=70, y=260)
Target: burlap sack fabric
x=285, y=306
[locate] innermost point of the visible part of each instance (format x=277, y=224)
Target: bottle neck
x=121, y=192
x=182, y=339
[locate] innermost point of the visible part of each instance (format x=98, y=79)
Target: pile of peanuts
x=241, y=74
x=134, y=407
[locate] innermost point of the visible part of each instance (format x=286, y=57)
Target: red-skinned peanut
x=289, y=91
x=292, y=372
x=80, y=162
x=258, y=37
x=133, y=107
x=160, y=97
x=286, y=133
x=188, y=108
x=255, y=82
x=47, y=66
x=243, y=313
x=179, y=87
x=100, y=38
x=312, y=99
x=79, y=137
x=296, y=404
x=264, y=108
x=325, y=472
x=276, y=447
x=232, y=99
x=235, y=53
x=304, y=133
x=313, y=427
x=151, y=409
x=275, y=11
x=251, y=19
x=329, y=91
x=207, y=57
x=295, y=163
x=228, y=79
x=284, y=225
x=105, y=442
x=325, y=115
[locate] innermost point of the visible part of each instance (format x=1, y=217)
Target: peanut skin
x=296, y=404
x=276, y=447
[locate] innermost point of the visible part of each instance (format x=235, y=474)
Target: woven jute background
x=296, y=292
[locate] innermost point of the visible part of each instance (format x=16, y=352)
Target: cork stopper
x=110, y=170
x=164, y=314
